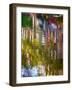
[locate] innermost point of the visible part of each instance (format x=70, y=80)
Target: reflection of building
x=46, y=31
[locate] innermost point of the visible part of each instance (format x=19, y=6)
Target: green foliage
x=32, y=49
x=26, y=21
x=40, y=55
